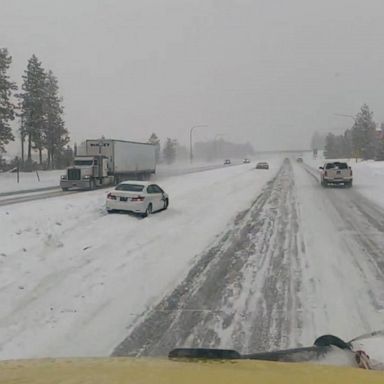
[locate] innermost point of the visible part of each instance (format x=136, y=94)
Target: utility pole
x=190, y=140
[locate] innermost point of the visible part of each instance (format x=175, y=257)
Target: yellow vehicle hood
x=159, y=371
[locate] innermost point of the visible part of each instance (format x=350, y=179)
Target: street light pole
x=190, y=139
x=342, y=115
x=216, y=146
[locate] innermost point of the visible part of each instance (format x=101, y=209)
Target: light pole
x=190, y=139
x=216, y=146
x=342, y=115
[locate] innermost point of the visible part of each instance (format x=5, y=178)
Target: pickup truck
x=336, y=172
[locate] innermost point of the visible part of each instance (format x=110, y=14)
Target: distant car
x=246, y=161
x=226, y=162
x=299, y=159
x=336, y=172
x=262, y=165
x=138, y=197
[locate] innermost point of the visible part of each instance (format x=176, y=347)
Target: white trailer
x=108, y=161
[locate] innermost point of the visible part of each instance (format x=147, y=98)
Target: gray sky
x=265, y=71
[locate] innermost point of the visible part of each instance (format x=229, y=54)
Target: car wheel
x=324, y=184
x=64, y=189
x=111, y=211
x=349, y=184
x=166, y=203
x=148, y=211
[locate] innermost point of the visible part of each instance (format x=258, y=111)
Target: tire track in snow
x=242, y=293
x=365, y=221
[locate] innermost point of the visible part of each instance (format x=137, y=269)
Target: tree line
x=39, y=108
x=208, y=151
x=363, y=140
x=171, y=151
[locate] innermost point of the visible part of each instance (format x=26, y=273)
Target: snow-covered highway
x=244, y=258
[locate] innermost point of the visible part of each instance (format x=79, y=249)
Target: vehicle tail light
x=325, y=173
x=137, y=198
x=110, y=196
x=350, y=170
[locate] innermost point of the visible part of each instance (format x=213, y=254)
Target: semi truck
x=108, y=162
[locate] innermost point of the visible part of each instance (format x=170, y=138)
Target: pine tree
x=7, y=109
x=155, y=141
x=364, y=134
x=380, y=144
x=169, y=151
x=33, y=107
x=55, y=135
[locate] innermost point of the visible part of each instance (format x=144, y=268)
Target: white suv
x=336, y=172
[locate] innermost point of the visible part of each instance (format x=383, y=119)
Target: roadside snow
x=50, y=179
x=29, y=180
x=73, y=278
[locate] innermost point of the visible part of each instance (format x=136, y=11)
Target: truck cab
x=87, y=172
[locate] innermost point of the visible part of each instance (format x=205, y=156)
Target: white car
x=138, y=197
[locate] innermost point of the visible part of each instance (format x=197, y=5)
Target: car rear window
x=130, y=187
x=337, y=165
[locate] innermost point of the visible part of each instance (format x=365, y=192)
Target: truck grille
x=74, y=174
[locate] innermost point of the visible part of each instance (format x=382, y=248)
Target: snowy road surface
x=244, y=259
x=301, y=262
x=72, y=277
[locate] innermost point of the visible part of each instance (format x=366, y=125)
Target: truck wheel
x=92, y=185
x=111, y=211
x=148, y=211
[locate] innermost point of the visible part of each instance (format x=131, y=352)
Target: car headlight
x=63, y=177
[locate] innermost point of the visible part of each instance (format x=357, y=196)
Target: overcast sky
x=266, y=71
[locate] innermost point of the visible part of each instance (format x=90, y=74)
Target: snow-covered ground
x=264, y=265
x=29, y=180
x=72, y=278
x=50, y=179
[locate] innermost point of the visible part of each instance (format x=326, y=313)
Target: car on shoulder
x=227, y=162
x=262, y=165
x=336, y=172
x=300, y=160
x=246, y=161
x=139, y=197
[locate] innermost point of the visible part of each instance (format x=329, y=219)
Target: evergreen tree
x=155, y=141
x=169, y=151
x=64, y=158
x=380, y=144
x=364, y=134
x=55, y=135
x=338, y=146
x=7, y=109
x=34, y=85
x=380, y=150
